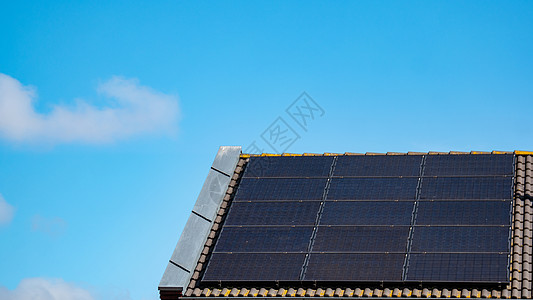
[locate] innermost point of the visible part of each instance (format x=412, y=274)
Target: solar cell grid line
x=367, y=213
x=475, y=188
x=378, y=165
x=375, y=188
x=367, y=239
x=264, y=239
x=276, y=189
x=459, y=267
x=272, y=213
x=253, y=267
x=460, y=239
x=471, y=212
x=355, y=267
x=288, y=166
x=470, y=165
x=413, y=217
x=303, y=269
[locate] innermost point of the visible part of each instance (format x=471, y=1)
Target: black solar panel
x=254, y=267
x=372, y=189
x=289, y=166
x=461, y=239
x=466, y=165
x=367, y=213
x=458, y=267
x=378, y=165
x=369, y=227
x=264, y=239
x=273, y=213
x=281, y=189
x=464, y=213
x=443, y=188
x=361, y=239
x=355, y=267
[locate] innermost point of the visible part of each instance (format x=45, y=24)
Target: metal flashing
x=191, y=242
x=211, y=194
x=196, y=231
x=227, y=158
x=174, y=278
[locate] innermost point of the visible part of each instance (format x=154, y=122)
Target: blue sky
x=112, y=112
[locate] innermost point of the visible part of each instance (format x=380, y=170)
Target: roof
x=187, y=266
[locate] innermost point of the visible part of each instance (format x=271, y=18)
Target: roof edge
x=180, y=268
x=516, y=152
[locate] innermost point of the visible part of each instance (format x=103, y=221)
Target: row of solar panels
x=267, y=213
x=366, y=239
x=359, y=267
x=381, y=165
x=400, y=188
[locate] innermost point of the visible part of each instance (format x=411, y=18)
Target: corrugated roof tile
x=377, y=293
x=436, y=293
x=397, y=292
x=263, y=292
x=272, y=293
x=417, y=293
x=446, y=293
x=349, y=292
x=426, y=293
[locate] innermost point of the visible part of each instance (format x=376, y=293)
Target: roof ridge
x=516, y=152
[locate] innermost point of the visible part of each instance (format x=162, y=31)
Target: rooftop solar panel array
x=405, y=218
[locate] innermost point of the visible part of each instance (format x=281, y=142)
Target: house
x=394, y=225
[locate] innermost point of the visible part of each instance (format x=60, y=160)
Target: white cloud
x=6, y=211
x=135, y=110
x=53, y=227
x=45, y=289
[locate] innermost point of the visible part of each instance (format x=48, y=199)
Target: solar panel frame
x=254, y=267
x=264, y=239
x=463, y=267
x=278, y=189
x=358, y=267
x=469, y=165
x=288, y=166
x=466, y=188
x=373, y=188
x=367, y=213
x=460, y=239
x=378, y=165
x=470, y=212
x=273, y=213
x=365, y=239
